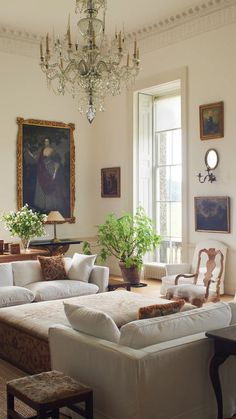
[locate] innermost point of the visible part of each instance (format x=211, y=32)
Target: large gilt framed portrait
x=46, y=166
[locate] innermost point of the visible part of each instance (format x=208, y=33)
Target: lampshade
x=55, y=217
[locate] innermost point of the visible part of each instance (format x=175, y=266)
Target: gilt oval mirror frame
x=211, y=159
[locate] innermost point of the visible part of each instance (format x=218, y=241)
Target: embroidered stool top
x=47, y=388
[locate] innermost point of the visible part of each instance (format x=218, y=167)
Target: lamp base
x=55, y=240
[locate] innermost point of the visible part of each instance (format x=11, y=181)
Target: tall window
x=160, y=166
x=167, y=179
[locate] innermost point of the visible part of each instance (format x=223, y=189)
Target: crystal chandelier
x=88, y=66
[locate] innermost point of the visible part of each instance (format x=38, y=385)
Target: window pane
x=176, y=219
x=177, y=147
x=164, y=148
x=163, y=219
x=176, y=181
x=164, y=251
x=163, y=184
x=167, y=113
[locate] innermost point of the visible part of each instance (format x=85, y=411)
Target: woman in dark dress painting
x=50, y=183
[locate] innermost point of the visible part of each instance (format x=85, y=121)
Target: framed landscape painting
x=46, y=166
x=212, y=214
x=110, y=182
x=211, y=121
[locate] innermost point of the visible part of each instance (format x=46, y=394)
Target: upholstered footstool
x=154, y=270
x=47, y=393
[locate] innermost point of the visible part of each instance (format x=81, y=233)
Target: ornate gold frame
x=35, y=122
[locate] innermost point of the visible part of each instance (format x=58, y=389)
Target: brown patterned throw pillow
x=52, y=267
x=157, y=310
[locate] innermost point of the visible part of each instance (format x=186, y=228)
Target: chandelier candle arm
x=91, y=67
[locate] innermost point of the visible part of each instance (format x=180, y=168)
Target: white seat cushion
x=63, y=288
x=81, y=267
x=6, y=275
x=188, y=291
x=141, y=333
x=167, y=281
x=13, y=295
x=92, y=322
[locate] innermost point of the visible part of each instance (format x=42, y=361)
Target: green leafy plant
x=25, y=223
x=127, y=238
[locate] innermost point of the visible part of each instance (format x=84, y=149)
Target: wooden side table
x=30, y=254
x=46, y=393
x=114, y=285
x=225, y=345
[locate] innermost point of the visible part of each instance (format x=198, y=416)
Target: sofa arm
x=100, y=277
x=104, y=366
x=177, y=268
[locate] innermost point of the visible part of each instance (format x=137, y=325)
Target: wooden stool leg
x=89, y=406
x=55, y=414
x=10, y=404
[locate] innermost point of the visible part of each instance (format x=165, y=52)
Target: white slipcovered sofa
x=22, y=282
x=155, y=368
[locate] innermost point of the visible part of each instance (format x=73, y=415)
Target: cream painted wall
x=211, y=66
x=24, y=93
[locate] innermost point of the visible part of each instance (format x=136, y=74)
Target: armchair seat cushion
x=63, y=288
x=168, y=281
x=189, y=292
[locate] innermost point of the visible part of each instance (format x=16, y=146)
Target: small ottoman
x=154, y=270
x=47, y=393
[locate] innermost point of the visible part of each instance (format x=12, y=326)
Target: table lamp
x=55, y=217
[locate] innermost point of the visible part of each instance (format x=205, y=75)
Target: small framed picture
x=211, y=121
x=212, y=214
x=110, y=182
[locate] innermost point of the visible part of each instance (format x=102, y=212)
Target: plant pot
x=131, y=274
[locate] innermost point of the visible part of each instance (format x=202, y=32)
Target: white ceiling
x=39, y=16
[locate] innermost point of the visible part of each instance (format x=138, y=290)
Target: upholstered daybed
x=24, y=328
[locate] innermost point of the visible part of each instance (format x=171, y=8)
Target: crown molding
x=196, y=11
x=202, y=17
x=189, y=28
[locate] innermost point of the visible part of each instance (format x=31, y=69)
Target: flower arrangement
x=25, y=223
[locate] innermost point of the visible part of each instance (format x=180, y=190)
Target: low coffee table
x=225, y=345
x=115, y=284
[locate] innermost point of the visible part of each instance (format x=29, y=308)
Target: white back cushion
x=141, y=333
x=67, y=263
x=92, y=322
x=6, y=275
x=81, y=267
x=26, y=271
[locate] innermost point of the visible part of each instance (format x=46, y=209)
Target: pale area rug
x=9, y=372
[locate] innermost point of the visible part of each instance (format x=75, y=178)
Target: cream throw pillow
x=92, y=322
x=81, y=267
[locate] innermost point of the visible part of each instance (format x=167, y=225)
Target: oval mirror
x=211, y=159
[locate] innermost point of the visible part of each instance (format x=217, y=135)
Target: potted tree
x=128, y=239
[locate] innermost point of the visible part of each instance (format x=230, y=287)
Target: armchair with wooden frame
x=205, y=286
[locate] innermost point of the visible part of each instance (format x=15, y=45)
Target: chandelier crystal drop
x=88, y=65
